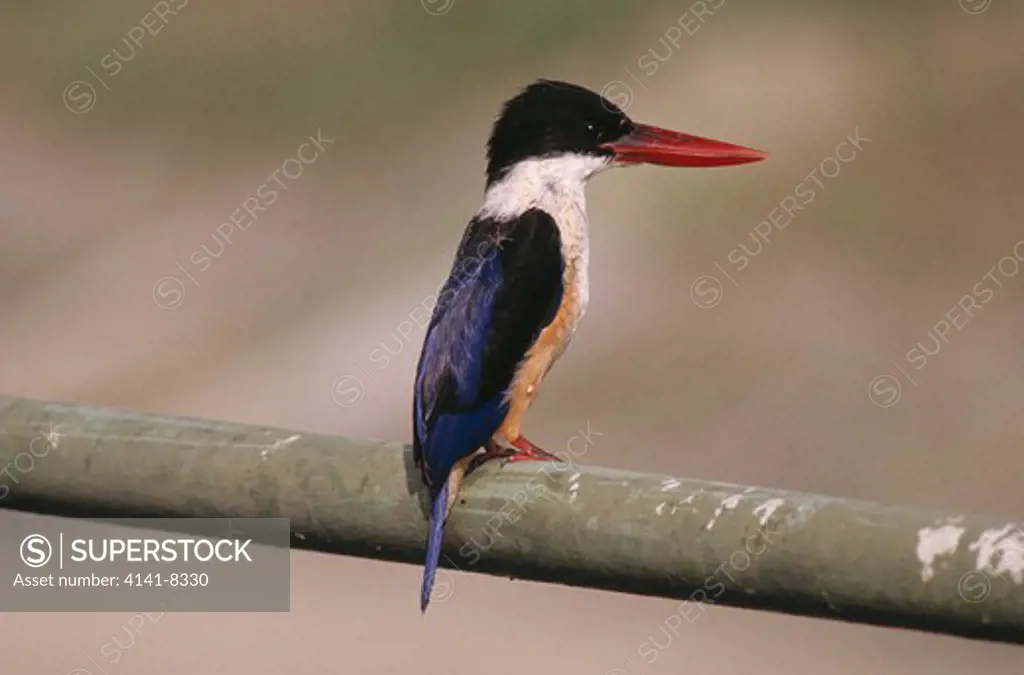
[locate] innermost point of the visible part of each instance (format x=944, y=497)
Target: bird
x=518, y=285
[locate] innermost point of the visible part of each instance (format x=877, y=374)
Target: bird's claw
x=525, y=450
x=520, y=450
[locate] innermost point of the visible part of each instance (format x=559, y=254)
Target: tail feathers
x=437, y=518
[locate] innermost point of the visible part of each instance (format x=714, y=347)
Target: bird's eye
x=590, y=127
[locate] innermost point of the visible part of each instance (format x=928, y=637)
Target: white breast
x=554, y=185
x=572, y=227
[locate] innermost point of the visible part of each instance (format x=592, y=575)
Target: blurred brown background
x=111, y=181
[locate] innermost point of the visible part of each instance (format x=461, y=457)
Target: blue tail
x=437, y=517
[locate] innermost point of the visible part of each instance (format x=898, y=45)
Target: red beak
x=652, y=145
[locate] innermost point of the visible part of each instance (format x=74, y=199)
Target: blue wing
x=453, y=416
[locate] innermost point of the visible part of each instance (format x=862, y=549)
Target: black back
x=549, y=118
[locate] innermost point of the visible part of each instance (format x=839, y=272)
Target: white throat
x=548, y=184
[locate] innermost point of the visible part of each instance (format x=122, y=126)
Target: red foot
x=525, y=450
x=522, y=450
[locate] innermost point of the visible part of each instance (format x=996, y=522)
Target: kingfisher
x=518, y=286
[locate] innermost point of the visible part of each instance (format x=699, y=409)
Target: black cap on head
x=549, y=118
